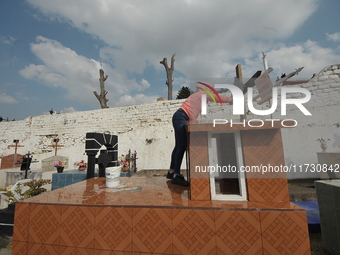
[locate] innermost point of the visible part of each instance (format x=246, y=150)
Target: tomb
x=47, y=164
x=12, y=175
x=11, y=161
x=216, y=214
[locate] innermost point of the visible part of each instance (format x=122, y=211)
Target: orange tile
x=105, y=252
x=238, y=232
x=260, y=148
x=173, y=196
x=42, y=249
x=152, y=230
x=113, y=228
x=275, y=205
x=44, y=224
x=267, y=189
x=203, y=204
x=165, y=221
x=75, y=251
x=157, y=191
x=285, y=232
x=231, y=205
x=200, y=189
x=21, y=220
x=193, y=231
x=198, y=154
x=77, y=226
x=19, y=248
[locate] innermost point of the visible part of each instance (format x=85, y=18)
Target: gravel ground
x=5, y=245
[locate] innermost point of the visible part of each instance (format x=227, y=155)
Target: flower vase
x=60, y=169
x=81, y=168
x=125, y=168
x=324, y=147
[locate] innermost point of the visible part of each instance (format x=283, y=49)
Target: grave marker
x=16, y=145
x=56, y=146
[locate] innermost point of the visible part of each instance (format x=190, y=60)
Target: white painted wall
x=300, y=143
x=133, y=125
x=136, y=124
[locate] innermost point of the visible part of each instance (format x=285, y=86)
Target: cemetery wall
x=144, y=128
x=300, y=143
x=148, y=129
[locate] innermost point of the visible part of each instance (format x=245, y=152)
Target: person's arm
x=224, y=99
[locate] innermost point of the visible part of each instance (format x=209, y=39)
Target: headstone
x=13, y=176
x=47, y=164
x=94, y=142
x=60, y=180
x=8, y=161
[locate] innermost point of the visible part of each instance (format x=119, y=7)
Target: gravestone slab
x=47, y=164
x=60, y=180
x=13, y=175
x=11, y=161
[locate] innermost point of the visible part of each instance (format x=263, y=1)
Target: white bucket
x=112, y=176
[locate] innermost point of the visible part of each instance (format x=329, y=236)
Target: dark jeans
x=179, y=122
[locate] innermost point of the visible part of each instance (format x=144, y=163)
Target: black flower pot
x=60, y=169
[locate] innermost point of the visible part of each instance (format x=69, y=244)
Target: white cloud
x=136, y=100
x=63, y=67
x=6, y=99
x=286, y=59
x=207, y=36
x=145, y=84
x=333, y=37
x=67, y=110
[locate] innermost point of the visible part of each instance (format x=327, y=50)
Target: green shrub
x=34, y=188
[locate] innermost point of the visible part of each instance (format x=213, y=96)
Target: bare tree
x=169, y=71
x=102, y=97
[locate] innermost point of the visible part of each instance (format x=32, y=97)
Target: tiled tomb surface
x=260, y=146
x=152, y=216
x=157, y=218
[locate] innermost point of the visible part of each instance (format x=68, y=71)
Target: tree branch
x=169, y=71
x=102, y=97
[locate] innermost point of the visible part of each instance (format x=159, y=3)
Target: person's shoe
x=170, y=175
x=179, y=180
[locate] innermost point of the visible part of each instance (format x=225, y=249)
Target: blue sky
x=51, y=51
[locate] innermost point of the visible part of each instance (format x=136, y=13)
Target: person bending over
x=189, y=110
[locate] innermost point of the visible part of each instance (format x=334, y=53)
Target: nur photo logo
x=239, y=102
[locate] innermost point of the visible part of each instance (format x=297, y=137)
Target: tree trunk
x=169, y=71
x=102, y=97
